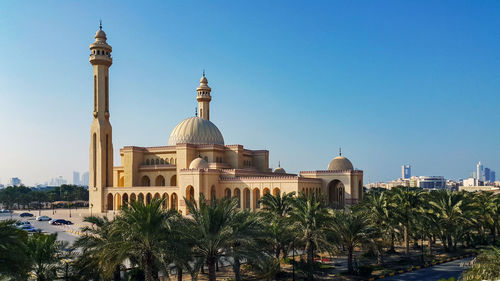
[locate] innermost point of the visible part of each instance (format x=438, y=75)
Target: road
x=434, y=273
x=46, y=227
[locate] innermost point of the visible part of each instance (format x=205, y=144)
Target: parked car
x=5, y=211
x=30, y=228
x=20, y=224
x=60, y=222
x=26, y=215
x=43, y=218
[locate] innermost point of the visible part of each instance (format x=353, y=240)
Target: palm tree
x=91, y=265
x=143, y=231
x=211, y=229
x=447, y=208
x=485, y=208
x=246, y=240
x=376, y=207
x=14, y=258
x=276, y=213
x=486, y=266
x=46, y=253
x=310, y=220
x=351, y=229
x=407, y=201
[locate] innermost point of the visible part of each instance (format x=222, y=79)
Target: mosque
x=196, y=161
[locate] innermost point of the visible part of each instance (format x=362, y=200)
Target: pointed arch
x=246, y=198
x=256, y=198
x=140, y=198
x=173, y=201
x=148, y=198
x=110, y=202
x=165, y=200
x=125, y=199
x=227, y=193
x=173, y=180
x=133, y=198
x=160, y=181
x=145, y=181
x=276, y=191
x=237, y=194
x=213, y=193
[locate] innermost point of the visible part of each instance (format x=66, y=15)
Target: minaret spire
x=101, y=138
x=340, y=151
x=204, y=98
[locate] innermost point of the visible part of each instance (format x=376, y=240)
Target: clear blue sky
x=391, y=82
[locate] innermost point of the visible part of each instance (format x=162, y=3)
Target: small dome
x=279, y=170
x=198, y=163
x=203, y=80
x=100, y=34
x=196, y=130
x=340, y=163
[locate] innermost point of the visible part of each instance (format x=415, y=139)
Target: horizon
x=392, y=83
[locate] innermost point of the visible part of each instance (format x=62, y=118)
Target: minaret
x=101, y=146
x=204, y=98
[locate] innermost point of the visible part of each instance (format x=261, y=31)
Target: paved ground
x=64, y=233
x=434, y=273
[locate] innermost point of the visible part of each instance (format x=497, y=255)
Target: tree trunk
x=380, y=256
x=236, y=269
x=148, y=275
x=407, y=241
x=350, y=269
x=211, y=268
x=310, y=260
x=116, y=275
x=392, y=249
x=179, y=273
x=450, y=243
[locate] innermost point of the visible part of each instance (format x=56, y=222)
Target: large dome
x=196, y=130
x=340, y=163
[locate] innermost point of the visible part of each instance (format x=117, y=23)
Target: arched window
x=145, y=181
x=157, y=161
x=173, y=203
x=125, y=199
x=256, y=198
x=246, y=198
x=213, y=195
x=162, y=161
x=147, y=161
x=173, y=180
x=160, y=181
x=165, y=200
x=237, y=194
x=132, y=197
x=140, y=198
x=171, y=161
x=227, y=193
x=148, y=198
x=166, y=160
x=276, y=191
x=110, y=202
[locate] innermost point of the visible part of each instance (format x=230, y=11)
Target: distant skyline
x=391, y=82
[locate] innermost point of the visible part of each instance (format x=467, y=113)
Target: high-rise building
x=486, y=174
x=492, y=176
x=85, y=179
x=405, y=172
x=479, y=171
x=15, y=182
x=76, y=178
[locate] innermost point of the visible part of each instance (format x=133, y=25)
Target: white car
x=43, y=218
